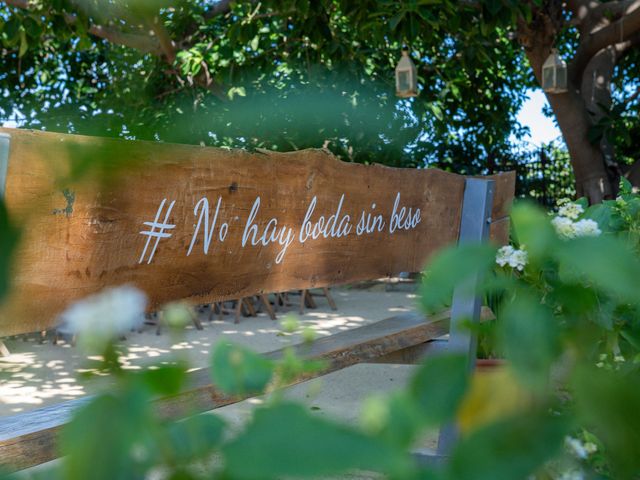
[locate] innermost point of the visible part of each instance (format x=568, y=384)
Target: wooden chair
x=327, y=294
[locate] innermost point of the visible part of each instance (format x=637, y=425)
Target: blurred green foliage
x=277, y=74
x=239, y=371
x=568, y=325
x=284, y=75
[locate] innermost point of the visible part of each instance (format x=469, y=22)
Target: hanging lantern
x=406, y=77
x=554, y=74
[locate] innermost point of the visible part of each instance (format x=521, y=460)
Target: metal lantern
x=406, y=77
x=554, y=74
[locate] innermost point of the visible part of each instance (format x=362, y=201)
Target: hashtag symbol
x=159, y=233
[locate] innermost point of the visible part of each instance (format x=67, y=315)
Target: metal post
x=474, y=228
x=5, y=139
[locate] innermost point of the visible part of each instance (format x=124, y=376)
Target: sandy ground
x=40, y=374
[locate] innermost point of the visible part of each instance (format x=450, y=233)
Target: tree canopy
x=300, y=73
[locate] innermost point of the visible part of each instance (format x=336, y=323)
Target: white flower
x=518, y=259
x=503, y=255
x=590, y=448
x=570, y=210
x=564, y=226
x=567, y=224
x=515, y=258
x=587, y=228
x=99, y=318
x=571, y=475
x=577, y=448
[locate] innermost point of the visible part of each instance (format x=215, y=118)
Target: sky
x=543, y=129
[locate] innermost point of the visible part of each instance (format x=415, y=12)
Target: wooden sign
x=207, y=224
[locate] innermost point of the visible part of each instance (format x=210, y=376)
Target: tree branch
x=613, y=10
x=619, y=31
x=583, y=13
x=221, y=7
x=582, y=8
x=160, y=44
x=23, y=4
x=142, y=43
x=218, y=8
x=166, y=44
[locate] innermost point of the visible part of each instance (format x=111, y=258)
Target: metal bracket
x=5, y=140
x=474, y=228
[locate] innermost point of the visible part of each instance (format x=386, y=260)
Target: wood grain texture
x=499, y=231
x=82, y=203
x=417, y=353
x=29, y=438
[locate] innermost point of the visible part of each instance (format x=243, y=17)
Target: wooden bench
x=210, y=225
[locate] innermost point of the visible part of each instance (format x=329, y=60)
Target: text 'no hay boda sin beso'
x=258, y=232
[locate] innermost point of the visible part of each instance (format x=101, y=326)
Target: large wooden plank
x=502, y=195
x=29, y=438
x=84, y=234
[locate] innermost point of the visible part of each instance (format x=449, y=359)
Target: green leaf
x=609, y=401
x=583, y=202
x=85, y=43
x=604, y=261
x=109, y=437
x=625, y=186
x=436, y=110
x=166, y=380
x=24, y=43
x=604, y=215
x=439, y=386
x=233, y=91
x=195, y=437
x=12, y=28
x=511, y=449
x=533, y=229
x=32, y=28
x=451, y=268
x=530, y=337
x=396, y=19
x=236, y=370
x=576, y=300
x=397, y=419
x=632, y=335
x=254, y=43
x=287, y=441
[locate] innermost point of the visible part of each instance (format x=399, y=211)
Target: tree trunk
x=587, y=160
x=574, y=121
x=571, y=110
